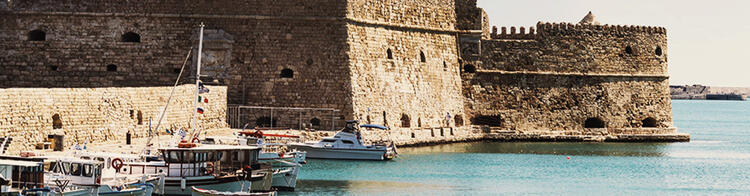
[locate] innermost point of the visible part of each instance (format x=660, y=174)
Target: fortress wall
x=433, y=14
x=244, y=52
x=101, y=114
x=426, y=92
x=187, y=7
x=528, y=102
x=567, y=48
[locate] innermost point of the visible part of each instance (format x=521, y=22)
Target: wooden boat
x=205, y=192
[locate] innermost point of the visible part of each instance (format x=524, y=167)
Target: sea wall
x=29, y=115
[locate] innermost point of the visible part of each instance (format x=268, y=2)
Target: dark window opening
x=309, y=61
x=56, y=122
x=459, y=120
x=287, y=73
x=470, y=69
x=593, y=123
x=389, y=53
x=347, y=141
x=658, y=51
x=405, y=121
x=493, y=121
x=412, y=135
x=130, y=37
x=53, y=67
x=265, y=122
x=422, y=58
x=629, y=50
x=445, y=66
x=315, y=122
x=442, y=132
x=385, y=119
x=176, y=70
x=111, y=68
x=650, y=122
x=132, y=114
x=419, y=122
x=451, y=130
x=140, y=117
x=37, y=35
x=432, y=132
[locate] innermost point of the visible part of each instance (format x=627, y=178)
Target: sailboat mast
x=197, y=80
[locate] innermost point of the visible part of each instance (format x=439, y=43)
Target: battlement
x=546, y=28
x=513, y=34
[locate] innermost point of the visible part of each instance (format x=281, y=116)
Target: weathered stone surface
x=102, y=114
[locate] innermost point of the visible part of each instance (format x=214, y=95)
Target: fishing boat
x=347, y=144
x=205, y=192
x=211, y=167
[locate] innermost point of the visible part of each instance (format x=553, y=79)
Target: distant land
x=708, y=92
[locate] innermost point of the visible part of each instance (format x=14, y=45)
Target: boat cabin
x=75, y=171
x=20, y=173
x=197, y=161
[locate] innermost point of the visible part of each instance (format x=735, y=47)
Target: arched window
x=265, y=122
x=493, y=121
x=658, y=51
x=419, y=122
x=37, y=35
x=650, y=122
x=315, y=122
x=389, y=53
x=130, y=37
x=422, y=58
x=459, y=120
x=470, y=68
x=53, y=67
x=111, y=68
x=593, y=123
x=405, y=121
x=287, y=73
x=629, y=50
x=56, y=122
x=412, y=135
x=140, y=117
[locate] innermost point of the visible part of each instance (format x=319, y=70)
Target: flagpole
x=197, y=81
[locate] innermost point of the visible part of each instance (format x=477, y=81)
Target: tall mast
x=197, y=81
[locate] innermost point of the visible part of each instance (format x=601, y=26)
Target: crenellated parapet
x=547, y=28
x=514, y=33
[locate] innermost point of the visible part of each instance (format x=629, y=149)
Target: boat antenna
x=197, y=81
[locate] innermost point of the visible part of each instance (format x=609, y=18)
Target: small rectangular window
x=75, y=169
x=88, y=170
x=347, y=142
x=329, y=141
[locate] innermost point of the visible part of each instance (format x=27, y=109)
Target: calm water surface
x=716, y=161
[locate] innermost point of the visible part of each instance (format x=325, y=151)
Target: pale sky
x=708, y=40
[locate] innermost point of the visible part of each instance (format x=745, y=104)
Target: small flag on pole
x=205, y=100
x=200, y=110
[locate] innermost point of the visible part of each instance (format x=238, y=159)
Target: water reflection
x=344, y=187
x=594, y=149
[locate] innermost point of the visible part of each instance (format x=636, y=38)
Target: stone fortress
x=433, y=70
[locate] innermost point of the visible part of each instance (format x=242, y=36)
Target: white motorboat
x=347, y=144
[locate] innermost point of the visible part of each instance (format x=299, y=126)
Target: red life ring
x=196, y=140
x=117, y=163
x=209, y=168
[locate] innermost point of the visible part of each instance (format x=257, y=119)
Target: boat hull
x=341, y=153
x=173, y=186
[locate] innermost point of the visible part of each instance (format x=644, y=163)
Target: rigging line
x=171, y=94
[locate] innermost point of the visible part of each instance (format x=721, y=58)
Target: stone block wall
x=404, y=87
x=102, y=114
x=427, y=14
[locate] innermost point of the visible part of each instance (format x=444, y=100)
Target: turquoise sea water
x=716, y=161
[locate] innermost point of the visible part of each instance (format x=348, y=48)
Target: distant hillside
x=708, y=92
